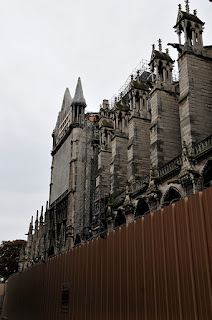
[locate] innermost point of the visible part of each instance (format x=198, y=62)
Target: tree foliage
x=9, y=256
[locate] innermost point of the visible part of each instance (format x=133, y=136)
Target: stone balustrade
x=202, y=146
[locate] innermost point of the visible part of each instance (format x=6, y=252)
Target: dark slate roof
x=161, y=55
x=107, y=123
x=64, y=110
x=66, y=102
x=122, y=106
x=79, y=97
x=145, y=76
x=139, y=85
x=185, y=15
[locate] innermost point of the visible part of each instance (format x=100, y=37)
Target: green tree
x=9, y=256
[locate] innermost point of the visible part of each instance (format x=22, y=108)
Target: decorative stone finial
x=167, y=51
x=179, y=6
x=187, y=5
x=195, y=12
x=160, y=44
x=31, y=225
x=131, y=77
x=153, y=47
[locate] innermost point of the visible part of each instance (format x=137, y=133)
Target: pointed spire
x=41, y=216
x=187, y=5
x=47, y=205
x=160, y=44
x=66, y=102
x=36, y=221
x=79, y=97
x=30, y=226
x=67, y=95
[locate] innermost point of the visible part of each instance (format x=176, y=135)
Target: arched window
x=207, y=175
x=51, y=251
x=77, y=240
x=137, y=101
x=120, y=219
x=160, y=70
x=120, y=120
x=189, y=33
x=171, y=196
x=142, y=208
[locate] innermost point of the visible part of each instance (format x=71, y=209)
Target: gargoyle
x=177, y=46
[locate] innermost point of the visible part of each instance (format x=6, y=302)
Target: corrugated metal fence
x=157, y=267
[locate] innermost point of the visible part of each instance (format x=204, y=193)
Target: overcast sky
x=45, y=46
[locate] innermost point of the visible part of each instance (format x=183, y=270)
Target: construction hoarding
x=157, y=267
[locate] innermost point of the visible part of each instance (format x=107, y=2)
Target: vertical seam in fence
x=177, y=259
x=191, y=258
x=144, y=270
x=164, y=262
x=206, y=251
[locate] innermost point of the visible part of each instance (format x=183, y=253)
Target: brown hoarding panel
x=199, y=253
x=157, y=267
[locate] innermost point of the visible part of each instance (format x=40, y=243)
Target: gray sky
x=45, y=46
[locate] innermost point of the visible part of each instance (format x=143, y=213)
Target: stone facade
x=150, y=148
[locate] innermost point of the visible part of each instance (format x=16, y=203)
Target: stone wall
x=60, y=170
x=165, y=127
x=118, y=166
x=103, y=178
x=195, y=97
x=138, y=148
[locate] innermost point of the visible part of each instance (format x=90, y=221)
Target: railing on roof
x=64, y=125
x=170, y=166
x=141, y=67
x=140, y=184
x=202, y=146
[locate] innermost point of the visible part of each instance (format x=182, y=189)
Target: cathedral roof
x=122, y=106
x=79, y=97
x=188, y=16
x=107, y=123
x=66, y=101
x=66, y=104
x=139, y=85
x=64, y=110
x=161, y=55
